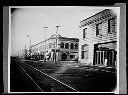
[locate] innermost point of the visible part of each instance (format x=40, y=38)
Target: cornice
x=97, y=17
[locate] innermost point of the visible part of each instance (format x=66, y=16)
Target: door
x=64, y=56
x=111, y=56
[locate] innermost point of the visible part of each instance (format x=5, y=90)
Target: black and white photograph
x=55, y=49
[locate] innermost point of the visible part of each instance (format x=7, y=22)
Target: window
x=36, y=49
x=62, y=45
x=47, y=46
x=85, y=47
x=54, y=45
x=84, y=33
x=50, y=45
x=84, y=51
x=76, y=46
x=99, y=29
x=40, y=48
x=84, y=54
x=43, y=47
x=66, y=45
x=82, y=47
x=111, y=25
x=72, y=46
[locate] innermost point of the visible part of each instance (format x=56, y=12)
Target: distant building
x=98, y=42
x=66, y=49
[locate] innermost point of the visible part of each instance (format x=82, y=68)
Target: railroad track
x=45, y=82
x=60, y=78
x=31, y=79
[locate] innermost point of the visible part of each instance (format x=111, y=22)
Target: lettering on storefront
x=108, y=45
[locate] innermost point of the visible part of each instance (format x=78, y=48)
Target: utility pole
x=30, y=45
x=45, y=28
x=56, y=43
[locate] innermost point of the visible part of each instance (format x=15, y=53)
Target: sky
x=30, y=20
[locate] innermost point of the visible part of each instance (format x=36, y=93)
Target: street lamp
x=45, y=28
x=56, y=42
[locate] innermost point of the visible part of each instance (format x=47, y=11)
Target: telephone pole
x=56, y=43
x=45, y=28
x=25, y=52
x=30, y=45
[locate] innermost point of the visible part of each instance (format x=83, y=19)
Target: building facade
x=56, y=48
x=98, y=42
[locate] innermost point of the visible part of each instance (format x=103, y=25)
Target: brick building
x=98, y=42
x=66, y=49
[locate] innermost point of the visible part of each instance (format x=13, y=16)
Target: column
x=113, y=62
x=100, y=57
x=97, y=57
x=109, y=58
x=103, y=59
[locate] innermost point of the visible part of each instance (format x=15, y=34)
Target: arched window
x=62, y=45
x=72, y=46
x=76, y=46
x=66, y=45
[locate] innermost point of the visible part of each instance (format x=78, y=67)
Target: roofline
x=97, y=17
x=54, y=38
x=69, y=38
x=94, y=15
x=42, y=41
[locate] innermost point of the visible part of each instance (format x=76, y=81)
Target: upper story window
x=72, y=46
x=36, y=49
x=111, y=25
x=99, y=29
x=47, y=46
x=54, y=45
x=66, y=45
x=84, y=33
x=41, y=48
x=50, y=45
x=76, y=46
x=85, y=47
x=62, y=45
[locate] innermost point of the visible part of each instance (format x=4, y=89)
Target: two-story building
x=56, y=48
x=98, y=42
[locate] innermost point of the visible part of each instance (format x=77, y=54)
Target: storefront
x=105, y=54
x=73, y=55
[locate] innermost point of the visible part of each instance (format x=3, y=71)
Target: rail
x=52, y=78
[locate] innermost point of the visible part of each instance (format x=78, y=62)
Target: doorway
x=105, y=57
x=64, y=57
